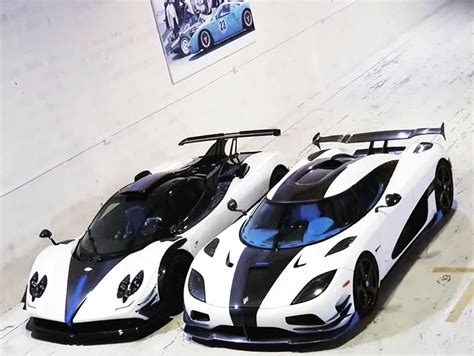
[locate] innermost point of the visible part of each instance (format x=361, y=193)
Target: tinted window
x=130, y=222
x=224, y=10
x=286, y=225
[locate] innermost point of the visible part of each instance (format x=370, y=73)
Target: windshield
x=125, y=223
x=130, y=222
x=285, y=225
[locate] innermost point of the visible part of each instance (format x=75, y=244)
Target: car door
x=220, y=28
x=390, y=220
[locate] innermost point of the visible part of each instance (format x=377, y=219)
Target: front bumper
x=266, y=336
x=91, y=332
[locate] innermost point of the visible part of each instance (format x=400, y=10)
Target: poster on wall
x=198, y=33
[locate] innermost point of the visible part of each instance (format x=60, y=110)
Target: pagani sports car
x=230, y=19
x=129, y=267
x=308, y=261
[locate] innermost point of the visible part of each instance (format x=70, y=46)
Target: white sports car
x=309, y=259
x=128, y=269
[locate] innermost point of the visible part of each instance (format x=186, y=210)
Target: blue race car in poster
x=230, y=19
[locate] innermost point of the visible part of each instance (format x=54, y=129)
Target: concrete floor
x=424, y=77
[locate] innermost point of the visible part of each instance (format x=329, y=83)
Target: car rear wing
x=385, y=136
x=230, y=135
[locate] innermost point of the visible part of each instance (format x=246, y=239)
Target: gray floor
x=424, y=77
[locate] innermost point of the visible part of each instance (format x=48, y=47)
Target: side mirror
x=46, y=234
x=390, y=200
x=232, y=206
x=242, y=170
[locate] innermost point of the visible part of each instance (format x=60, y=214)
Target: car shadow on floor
x=388, y=286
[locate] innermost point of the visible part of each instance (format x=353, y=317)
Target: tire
x=184, y=46
x=173, y=284
x=444, y=189
x=278, y=173
x=247, y=20
x=205, y=40
x=365, y=284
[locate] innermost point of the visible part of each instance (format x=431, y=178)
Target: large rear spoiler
x=230, y=135
x=379, y=136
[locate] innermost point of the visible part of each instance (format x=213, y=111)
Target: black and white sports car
x=129, y=267
x=309, y=259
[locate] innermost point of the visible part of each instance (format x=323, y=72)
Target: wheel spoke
x=364, y=297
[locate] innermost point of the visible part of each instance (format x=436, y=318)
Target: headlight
x=37, y=288
x=122, y=288
x=136, y=283
x=126, y=289
x=314, y=287
x=196, y=286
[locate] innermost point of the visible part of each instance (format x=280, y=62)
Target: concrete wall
x=86, y=100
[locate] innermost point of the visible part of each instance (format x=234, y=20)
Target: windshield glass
x=125, y=223
x=286, y=225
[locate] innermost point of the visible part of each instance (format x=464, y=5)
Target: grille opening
x=304, y=319
x=198, y=316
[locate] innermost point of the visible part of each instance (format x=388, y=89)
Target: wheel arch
x=372, y=256
x=167, y=259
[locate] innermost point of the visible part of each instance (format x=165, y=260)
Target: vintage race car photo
x=230, y=19
x=307, y=262
x=129, y=267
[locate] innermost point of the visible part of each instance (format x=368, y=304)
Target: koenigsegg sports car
x=129, y=267
x=230, y=19
x=309, y=259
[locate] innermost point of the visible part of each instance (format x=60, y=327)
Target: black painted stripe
x=415, y=222
x=292, y=190
x=255, y=273
x=80, y=283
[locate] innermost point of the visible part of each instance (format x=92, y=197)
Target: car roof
x=312, y=180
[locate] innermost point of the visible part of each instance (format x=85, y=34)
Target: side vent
x=227, y=261
x=141, y=175
x=422, y=147
x=210, y=248
x=341, y=245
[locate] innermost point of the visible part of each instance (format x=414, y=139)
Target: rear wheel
x=247, y=19
x=444, y=190
x=278, y=173
x=205, y=40
x=173, y=285
x=365, y=284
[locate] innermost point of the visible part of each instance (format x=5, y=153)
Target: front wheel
x=173, y=285
x=444, y=190
x=247, y=19
x=365, y=284
x=205, y=40
x=184, y=46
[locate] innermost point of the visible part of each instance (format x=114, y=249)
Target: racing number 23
x=222, y=25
